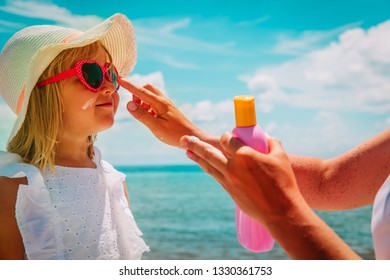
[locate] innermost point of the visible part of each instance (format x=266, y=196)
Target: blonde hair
x=36, y=140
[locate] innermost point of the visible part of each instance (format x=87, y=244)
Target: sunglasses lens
x=92, y=74
x=112, y=77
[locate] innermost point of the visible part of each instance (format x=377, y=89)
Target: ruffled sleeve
x=33, y=208
x=7, y=159
x=130, y=242
x=380, y=222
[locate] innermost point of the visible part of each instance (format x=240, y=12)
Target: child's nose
x=108, y=88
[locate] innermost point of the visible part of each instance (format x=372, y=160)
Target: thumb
x=140, y=114
x=274, y=145
x=230, y=144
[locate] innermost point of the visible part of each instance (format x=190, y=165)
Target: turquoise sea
x=184, y=214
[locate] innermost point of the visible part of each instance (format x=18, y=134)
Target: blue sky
x=319, y=70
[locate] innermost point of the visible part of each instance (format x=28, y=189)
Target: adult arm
x=348, y=181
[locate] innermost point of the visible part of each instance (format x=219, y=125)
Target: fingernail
x=131, y=106
x=185, y=140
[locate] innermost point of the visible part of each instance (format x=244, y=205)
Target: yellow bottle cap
x=244, y=107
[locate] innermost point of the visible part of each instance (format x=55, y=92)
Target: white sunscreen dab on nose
x=89, y=103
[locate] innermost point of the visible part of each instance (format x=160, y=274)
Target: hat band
x=19, y=104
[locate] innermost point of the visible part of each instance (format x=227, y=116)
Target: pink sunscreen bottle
x=250, y=233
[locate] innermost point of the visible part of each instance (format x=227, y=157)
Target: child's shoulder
x=8, y=192
x=10, y=185
x=11, y=182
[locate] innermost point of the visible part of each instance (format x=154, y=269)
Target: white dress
x=74, y=213
x=380, y=222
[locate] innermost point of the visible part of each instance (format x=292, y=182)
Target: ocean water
x=184, y=214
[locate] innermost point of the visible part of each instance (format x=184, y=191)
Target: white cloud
x=350, y=74
x=326, y=134
x=206, y=111
x=271, y=127
x=254, y=22
x=175, y=25
x=214, y=117
x=7, y=26
x=307, y=40
x=169, y=60
x=159, y=32
x=269, y=89
x=51, y=12
x=155, y=78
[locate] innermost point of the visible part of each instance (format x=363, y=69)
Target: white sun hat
x=30, y=51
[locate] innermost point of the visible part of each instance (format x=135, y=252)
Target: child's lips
x=105, y=104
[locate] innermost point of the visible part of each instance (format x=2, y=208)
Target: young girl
x=58, y=198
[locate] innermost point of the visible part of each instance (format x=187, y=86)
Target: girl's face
x=81, y=120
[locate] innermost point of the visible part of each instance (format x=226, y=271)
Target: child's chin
x=106, y=125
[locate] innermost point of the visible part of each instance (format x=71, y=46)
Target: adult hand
x=263, y=186
x=151, y=107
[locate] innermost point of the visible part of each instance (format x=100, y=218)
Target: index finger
x=141, y=92
x=275, y=145
x=205, y=151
